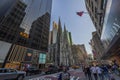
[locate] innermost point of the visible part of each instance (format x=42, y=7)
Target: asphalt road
x=77, y=74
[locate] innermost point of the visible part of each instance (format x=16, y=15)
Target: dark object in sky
x=80, y=13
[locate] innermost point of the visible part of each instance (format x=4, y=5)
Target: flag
x=80, y=13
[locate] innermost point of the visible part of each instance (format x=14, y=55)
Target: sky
x=81, y=28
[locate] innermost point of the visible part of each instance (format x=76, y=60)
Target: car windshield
x=4, y=70
x=12, y=70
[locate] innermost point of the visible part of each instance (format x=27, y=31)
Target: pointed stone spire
x=59, y=26
x=59, y=34
x=65, y=28
x=59, y=30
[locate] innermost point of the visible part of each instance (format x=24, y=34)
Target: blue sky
x=80, y=27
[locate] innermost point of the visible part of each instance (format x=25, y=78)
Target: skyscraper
x=105, y=16
x=96, y=9
x=25, y=23
x=111, y=31
x=11, y=15
x=39, y=33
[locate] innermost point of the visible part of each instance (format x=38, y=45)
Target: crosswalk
x=75, y=75
x=74, y=78
x=44, y=78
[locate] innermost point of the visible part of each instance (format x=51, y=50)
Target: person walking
x=119, y=70
x=89, y=73
x=65, y=75
x=94, y=72
x=99, y=72
x=85, y=71
x=106, y=72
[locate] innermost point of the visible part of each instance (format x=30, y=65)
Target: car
x=32, y=71
x=75, y=67
x=52, y=69
x=11, y=74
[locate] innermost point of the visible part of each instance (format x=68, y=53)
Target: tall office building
x=110, y=28
x=54, y=32
x=39, y=33
x=111, y=31
x=37, y=23
x=52, y=42
x=26, y=24
x=96, y=9
x=12, y=13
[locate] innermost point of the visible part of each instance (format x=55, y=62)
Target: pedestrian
x=119, y=70
x=94, y=72
x=85, y=71
x=115, y=69
x=99, y=72
x=65, y=75
x=111, y=76
x=106, y=72
x=89, y=73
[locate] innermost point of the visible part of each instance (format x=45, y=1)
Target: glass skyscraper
x=111, y=31
x=112, y=22
x=12, y=13
x=34, y=10
x=37, y=23
x=25, y=24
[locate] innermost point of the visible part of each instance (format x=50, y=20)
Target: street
x=59, y=40
x=77, y=74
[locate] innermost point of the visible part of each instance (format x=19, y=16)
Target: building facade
x=39, y=33
x=60, y=48
x=96, y=10
x=97, y=46
x=52, y=49
x=111, y=31
x=66, y=57
x=25, y=24
x=79, y=54
x=11, y=17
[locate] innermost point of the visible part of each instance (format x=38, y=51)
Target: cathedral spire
x=59, y=28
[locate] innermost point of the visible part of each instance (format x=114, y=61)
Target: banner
x=42, y=58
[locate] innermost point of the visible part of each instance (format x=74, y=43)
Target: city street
x=59, y=39
x=77, y=74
